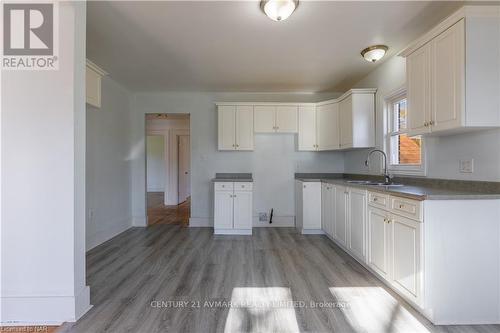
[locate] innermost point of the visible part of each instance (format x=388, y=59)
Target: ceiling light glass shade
x=374, y=53
x=278, y=10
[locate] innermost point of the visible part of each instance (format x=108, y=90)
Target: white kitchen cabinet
x=341, y=214
x=308, y=207
x=453, y=74
x=405, y=254
x=275, y=119
x=379, y=235
x=357, y=203
x=328, y=209
x=93, y=78
x=357, y=118
x=233, y=208
x=235, y=127
x=418, y=69
x=328, y=130
x=307, y=128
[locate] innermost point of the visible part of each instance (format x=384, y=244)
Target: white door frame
x=172, y=189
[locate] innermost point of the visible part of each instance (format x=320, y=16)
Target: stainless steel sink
x=372, y=183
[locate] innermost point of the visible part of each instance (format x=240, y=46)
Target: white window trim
x=397, y=169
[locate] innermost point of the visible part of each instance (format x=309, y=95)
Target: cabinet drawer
x=241, y=186
x=378, y=200
x=224, y=186
x=406, y=207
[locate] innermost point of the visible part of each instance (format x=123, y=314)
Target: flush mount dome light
x=278, y=10
x=374, y=53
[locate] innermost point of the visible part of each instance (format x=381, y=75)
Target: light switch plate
x=466, y=166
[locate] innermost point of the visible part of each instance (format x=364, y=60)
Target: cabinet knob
x=431, y=122
x=375, y=199
x=426, y=124
x=401, y=206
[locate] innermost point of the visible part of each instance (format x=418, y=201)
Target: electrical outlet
x=466, y=166
x=263, y=217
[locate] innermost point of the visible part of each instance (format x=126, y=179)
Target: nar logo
x=29, y=36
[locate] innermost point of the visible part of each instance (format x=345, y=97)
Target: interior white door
x=448, y=77
x=307, y=128
x=418, y=71
x=345, y=120
x=264, y=118
x=242, y=210
x=223, y=210
x=378, y=241
x=286, y=119
x=184, y=168
x=341, y=214
x=227, y=127
x=357, y=222
x=244, y=128
x=406, y=255
x=328, y=126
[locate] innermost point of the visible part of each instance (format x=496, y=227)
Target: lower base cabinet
x=308, y=207
x=357, y=222
x=233, y=208
x=341, y=214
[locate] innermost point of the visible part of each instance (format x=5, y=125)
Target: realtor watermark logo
x=30, y=36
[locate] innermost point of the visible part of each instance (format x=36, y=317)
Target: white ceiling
x=233, y=46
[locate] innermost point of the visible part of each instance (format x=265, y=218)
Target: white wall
x=443, y=153
x=42, y=221
x=273, y=163
x=155, y=163
x=108, y=166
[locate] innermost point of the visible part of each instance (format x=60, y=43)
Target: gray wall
x=108, y=165
x=443, y=153
x=273, y=162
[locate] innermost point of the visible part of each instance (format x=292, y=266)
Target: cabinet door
x=378, y=241
x=405, y=252
x=243, y=210
x=307, y=128
x=227, y=130
x=328, y=126
x=448, y=77
x=244, y=127
x=286, y=119
x=264, y=119
x=418, y=71
x=327, y=209
x=345, y=120
x=223, y=210
x=357, y=222
x=311, y=199
x=341, y=215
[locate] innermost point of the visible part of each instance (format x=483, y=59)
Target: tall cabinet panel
x=227, y=129
x=345, y=116
x=328, y=126
x=341, y=214
x=448, y=78
x=418, y=69
x=357, y=222
x=307, y=128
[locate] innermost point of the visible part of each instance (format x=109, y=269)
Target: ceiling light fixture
x=374, y=53
x=278, y=10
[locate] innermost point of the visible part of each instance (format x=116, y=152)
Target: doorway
x=168, y=168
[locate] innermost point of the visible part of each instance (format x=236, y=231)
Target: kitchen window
x=405, y=153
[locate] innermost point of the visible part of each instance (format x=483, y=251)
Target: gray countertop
x=233, y=177
x=417, y=192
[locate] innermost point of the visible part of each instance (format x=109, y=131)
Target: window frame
x=400, y=169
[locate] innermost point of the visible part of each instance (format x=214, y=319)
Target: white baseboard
x=278, y=221
x=44, y=310
x=200, y=222
x=247, y=232
x=156, y=189
x=312, y=232
x=106, y=234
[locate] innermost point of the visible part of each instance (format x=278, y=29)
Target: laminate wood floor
x=158, y=213
x=166, y=278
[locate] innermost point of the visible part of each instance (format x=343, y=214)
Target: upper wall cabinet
x=93, y=76
x=235, y=127
x=344, y=123
x=453, y=74
x=275, y=119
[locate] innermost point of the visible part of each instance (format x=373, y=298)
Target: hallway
x=158, y=213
